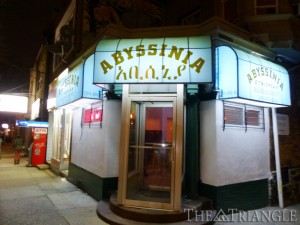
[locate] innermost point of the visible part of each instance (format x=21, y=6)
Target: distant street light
x=5, y=126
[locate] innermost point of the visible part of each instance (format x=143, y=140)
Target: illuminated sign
x=40, y=130
x=245, y=76
x=154, y=60
x=31, y=123
x=78, y=84
x=69, y=88
x=90, y=90
x=51, y=101
x=12, y=103
x=5, y=126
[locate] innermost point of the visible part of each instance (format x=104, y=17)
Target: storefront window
x=57, y=133
x=253, y=118
x=92, y=116
x=233, y=115
x=67, y=134
x=62, y=134
x=245, y=116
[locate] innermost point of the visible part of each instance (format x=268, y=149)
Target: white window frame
x=93, y=107
x=242, y=122
x=260, y=118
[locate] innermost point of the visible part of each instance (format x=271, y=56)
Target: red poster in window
x=87, y=116
x=97, y=115
x=93, y=115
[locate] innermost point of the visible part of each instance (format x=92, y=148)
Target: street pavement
x=29, y=196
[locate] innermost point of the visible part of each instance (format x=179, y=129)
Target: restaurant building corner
x=154, y=119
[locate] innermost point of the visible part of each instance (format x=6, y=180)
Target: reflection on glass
x=149, y=165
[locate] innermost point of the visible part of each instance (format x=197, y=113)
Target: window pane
x=133, y=139
x=233, y=115
x=253, y=117
x=243, y=115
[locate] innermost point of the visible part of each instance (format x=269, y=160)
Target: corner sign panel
x=262, y=80
x=70, y=87
x=240, y=75
x=226, y=72
x=89, y=89
x=154, y=60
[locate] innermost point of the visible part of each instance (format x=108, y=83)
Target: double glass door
x=149, y=154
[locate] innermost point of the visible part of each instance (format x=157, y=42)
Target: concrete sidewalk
x=38, y=197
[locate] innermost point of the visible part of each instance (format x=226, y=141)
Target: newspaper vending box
x=38, y=154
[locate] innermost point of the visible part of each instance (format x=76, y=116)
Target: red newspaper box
x=38, y=155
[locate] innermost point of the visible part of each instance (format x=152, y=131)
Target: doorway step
x=43, y=166
x=112, y=213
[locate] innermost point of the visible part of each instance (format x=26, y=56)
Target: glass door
x=150, y=150
x=150, y=157
x=150, y=163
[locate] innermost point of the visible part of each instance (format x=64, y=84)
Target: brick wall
x=290, y=145
x=291, y=191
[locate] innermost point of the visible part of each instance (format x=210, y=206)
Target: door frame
x=177, y=143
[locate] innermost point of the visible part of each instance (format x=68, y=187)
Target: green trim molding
x=241, y=196
x=192, y=162
x=97, y=187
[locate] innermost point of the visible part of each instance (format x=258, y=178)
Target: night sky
x=22, y=26
x=22, y=23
